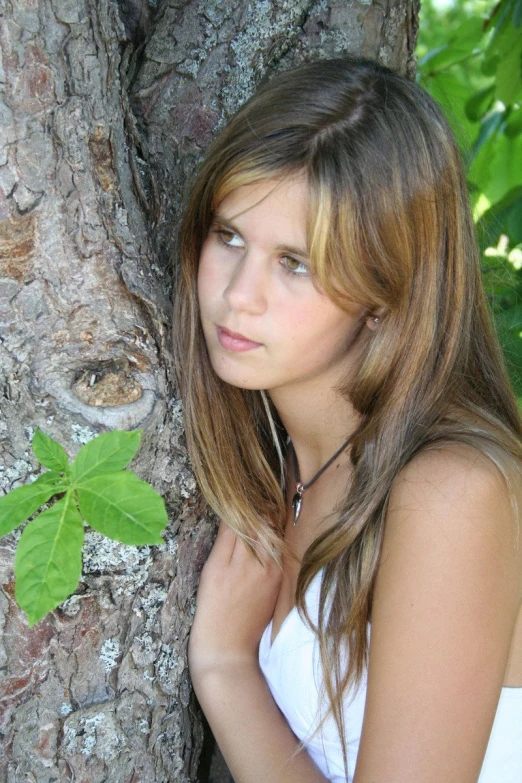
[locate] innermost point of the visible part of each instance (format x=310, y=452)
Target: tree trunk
x=104, y=109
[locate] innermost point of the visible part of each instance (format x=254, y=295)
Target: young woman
x=350, y=421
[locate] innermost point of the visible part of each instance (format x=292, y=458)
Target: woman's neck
x=317, y=425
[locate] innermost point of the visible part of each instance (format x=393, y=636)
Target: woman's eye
x=229, y=238
x=294, y=267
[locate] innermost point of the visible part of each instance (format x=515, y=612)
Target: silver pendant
x=297, y=502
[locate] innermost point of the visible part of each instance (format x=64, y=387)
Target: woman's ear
x=373, y=319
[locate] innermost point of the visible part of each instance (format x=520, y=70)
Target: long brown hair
x=389, y=227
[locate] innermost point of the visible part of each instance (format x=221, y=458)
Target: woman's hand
x=235, y=603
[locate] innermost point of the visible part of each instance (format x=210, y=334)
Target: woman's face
x=266, y=325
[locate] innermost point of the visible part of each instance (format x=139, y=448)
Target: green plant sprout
x=97, y=490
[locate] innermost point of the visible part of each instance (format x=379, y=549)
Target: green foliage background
x=470, y=61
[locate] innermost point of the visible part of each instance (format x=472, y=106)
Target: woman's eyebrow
x=225, y=223
x=292, y=251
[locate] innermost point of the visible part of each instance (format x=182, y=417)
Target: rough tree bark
x=104, y=109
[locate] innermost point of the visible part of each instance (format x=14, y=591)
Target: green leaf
x=479, y=103
x=509, y=69
x=48, y=559
x=514, y=222
x=517, y=14
x=49, y=452
x=451, y=93
x=514, y=123
x=489, y=128
x=510, y=320
x=493, y=170
x=494, y=220
x=500, y=15
x=123, y=507
x=489, y=66
x=22, y=502
x=461, y=44
x=513, y=352
x=500, y=279
x=106, y=453
x=509, y=326
x=503, y=54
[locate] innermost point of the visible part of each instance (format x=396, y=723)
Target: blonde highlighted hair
x=389, y=227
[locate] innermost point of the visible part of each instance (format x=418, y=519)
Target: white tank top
x=291, y=666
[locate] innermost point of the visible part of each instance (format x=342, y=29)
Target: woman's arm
x=445, y=603
x=235, y=603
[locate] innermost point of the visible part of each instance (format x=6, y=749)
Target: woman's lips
x=231, y=341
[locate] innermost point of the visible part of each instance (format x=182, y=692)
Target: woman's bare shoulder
x=445, y=601
x=452, y=515
x=459, y=478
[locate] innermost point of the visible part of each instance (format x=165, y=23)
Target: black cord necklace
x=297, y=500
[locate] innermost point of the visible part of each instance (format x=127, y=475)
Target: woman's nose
x=246, y=289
